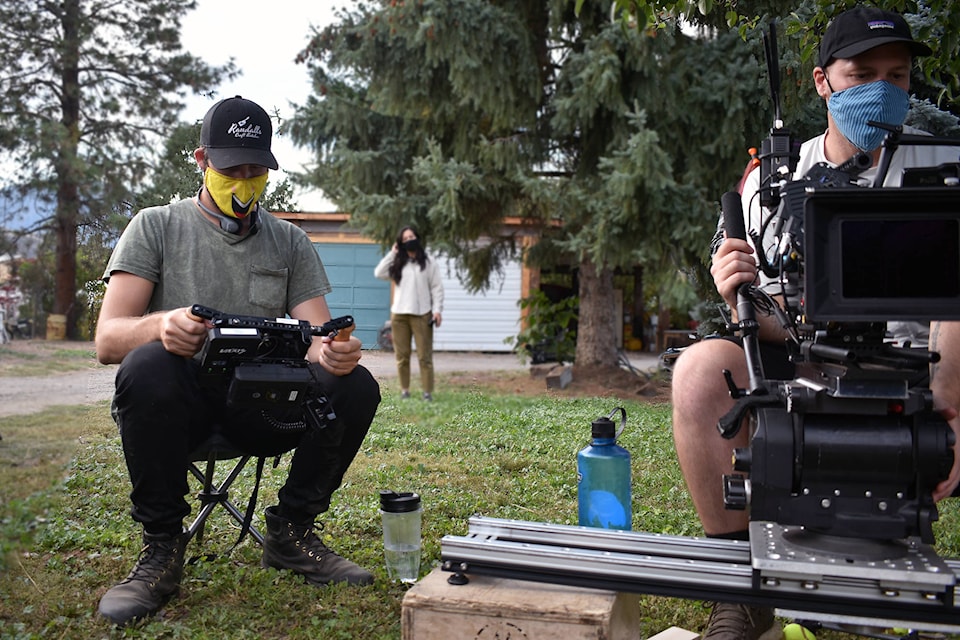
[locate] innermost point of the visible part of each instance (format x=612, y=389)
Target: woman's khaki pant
x=404, y=326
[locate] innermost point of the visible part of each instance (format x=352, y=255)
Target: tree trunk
x=68, y=191
x=596, y=328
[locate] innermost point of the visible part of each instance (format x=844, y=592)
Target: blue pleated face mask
x=879, y=101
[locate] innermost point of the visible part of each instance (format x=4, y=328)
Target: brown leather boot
x=152, y=582
x=297, y=548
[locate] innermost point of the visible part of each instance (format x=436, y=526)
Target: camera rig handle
x=749, y=329
x=339, y=328
x=747, y=321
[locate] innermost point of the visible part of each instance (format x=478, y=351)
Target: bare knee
x=698, y=375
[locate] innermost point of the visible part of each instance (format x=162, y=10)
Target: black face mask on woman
x=411, y=245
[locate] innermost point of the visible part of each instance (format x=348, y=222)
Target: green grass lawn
x=44, y=357
x=68, y=538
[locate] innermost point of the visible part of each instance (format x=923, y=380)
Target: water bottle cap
x=603, y=428
x=393, y=502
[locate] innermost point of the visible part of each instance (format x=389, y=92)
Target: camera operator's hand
x=182, y=333
x=339, y=357
x=733, y=265
x=337, y=354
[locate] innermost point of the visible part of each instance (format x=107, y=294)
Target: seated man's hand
x=339, y=357
x=182, y=333
x=945, y=489
x=733, y=265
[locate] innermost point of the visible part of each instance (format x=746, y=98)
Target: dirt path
x=22, y=395
x=29, y=394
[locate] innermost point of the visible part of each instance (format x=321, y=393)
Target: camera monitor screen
x=882, y=254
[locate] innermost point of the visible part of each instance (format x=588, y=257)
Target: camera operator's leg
x=423, y=335
x=161, y=414
x=700, y=398
x=402, y=334
x=321, y=458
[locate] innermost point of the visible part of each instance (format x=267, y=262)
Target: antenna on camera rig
x=778, y=159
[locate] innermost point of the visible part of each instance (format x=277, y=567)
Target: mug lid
x=394, y=502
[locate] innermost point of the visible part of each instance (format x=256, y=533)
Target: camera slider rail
x=916, y=590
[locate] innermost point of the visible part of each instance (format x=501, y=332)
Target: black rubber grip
x=733, y=215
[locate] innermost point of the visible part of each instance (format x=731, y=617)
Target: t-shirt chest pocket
x=268, y=290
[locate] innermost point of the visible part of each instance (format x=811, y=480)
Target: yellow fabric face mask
x=236, y=197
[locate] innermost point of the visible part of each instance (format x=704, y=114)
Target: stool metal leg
x=212, y=494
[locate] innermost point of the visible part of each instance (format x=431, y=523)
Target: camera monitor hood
x=882, y=254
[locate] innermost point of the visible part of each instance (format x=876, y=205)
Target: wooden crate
x=499, y=608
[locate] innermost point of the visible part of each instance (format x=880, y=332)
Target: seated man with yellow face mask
x=219, y=249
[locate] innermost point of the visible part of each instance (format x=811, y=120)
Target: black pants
x=164, y=414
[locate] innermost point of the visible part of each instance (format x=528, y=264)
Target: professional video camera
x=844, y=458
x=261, y=361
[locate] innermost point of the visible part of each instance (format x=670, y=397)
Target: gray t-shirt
x=192, y=261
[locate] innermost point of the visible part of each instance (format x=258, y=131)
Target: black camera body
x=260, y=362
x=852, y=447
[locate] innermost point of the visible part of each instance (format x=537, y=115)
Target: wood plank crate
x=489, y=608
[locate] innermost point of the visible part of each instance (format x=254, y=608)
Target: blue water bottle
x=603, y=477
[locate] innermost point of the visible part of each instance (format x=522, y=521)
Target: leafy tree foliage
x=935, y=22
x=89, y=88
x=612, y=143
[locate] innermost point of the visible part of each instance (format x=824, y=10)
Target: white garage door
x=479, y=321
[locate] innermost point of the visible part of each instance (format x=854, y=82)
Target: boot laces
x=155, y=559
x=309, y=540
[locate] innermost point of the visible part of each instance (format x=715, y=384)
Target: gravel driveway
x=23, y=395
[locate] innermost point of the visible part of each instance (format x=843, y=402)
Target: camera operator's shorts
x=773, y=357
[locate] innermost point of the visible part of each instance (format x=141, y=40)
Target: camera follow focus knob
x=736, y=492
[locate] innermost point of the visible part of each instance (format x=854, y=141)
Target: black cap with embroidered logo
x=237, y=131
x=863, y=28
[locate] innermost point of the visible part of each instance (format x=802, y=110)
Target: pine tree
x=89, y=88
x=612, y=143
x=935, y=22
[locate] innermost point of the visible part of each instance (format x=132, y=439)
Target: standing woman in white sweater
x=417, y=306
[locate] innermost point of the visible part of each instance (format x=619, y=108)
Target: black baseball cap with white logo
x=860, y=29
x=237, y=131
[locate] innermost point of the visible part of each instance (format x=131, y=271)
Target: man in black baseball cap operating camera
x=219, y=249
x=865, y=60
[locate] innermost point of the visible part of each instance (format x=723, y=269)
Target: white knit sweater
x=419, y=291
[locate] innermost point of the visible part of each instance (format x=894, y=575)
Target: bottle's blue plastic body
x=603, y=485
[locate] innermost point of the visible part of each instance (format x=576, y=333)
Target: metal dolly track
x=691, y=568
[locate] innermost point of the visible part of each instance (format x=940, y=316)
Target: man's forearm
x=117, y=337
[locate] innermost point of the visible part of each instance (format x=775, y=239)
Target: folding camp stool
x=214, y=449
